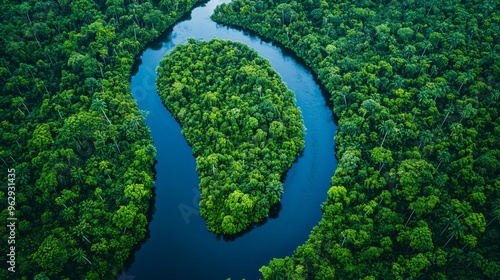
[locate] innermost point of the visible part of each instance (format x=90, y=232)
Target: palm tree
x=467, y=112
x=423, y=97
x=473, y=257
x=68, y=214
x=449, y=109
x=454, y=39
x=411, y=215
x=444, y=156
x=80, y=257
x=465, y=77
x=134, y=122
x=252, y=6
x=87, y=205
x=456, y=229
x=387, y=127
x=77, y=173
x=448, y=220
x=440, y=180
x=213, y=161
x=425, y=137
x=409, y=50
x=17, y=101
x=398, y=82
x=438, y=92
x=370, y=105
x=426, y=44
x=496, y=211
x=99, y=105
x=80, y=230
x=4, y=161
x=345, y=91
x=495, y=96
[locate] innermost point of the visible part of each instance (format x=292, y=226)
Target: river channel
x=179, y=246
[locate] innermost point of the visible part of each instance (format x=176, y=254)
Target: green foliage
x=414, y=86
x=71, y=129
x=242, y=124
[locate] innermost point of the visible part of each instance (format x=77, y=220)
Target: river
x=179, y=246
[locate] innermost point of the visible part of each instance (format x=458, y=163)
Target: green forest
x=82, y=154
x=242, y=124
x=415, y=90
x=415, y=87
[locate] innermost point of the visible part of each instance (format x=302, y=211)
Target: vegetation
x=242, y=123
x=69, y=127
x=415, y=87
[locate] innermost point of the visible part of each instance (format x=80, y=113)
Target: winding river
x=179, y=246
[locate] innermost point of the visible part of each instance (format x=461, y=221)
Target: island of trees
x=242, y=123
x=415, y=87
x=70, y=128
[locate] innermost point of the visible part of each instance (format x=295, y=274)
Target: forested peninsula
x=80, y=150
x=242, y=123
x=415, y=89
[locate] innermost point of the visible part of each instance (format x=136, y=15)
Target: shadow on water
x=274, y=213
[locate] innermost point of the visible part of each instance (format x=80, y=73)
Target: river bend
x=179, y=246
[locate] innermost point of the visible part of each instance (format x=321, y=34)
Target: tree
x=467, y=112
x=370, y=106
x=275, y=190
x=228, y=226
x=42, y=138
x=98, y=104
x=381, y=156
x=80, y=257
x=426, y=44
x=136, y=192
x=426, y=136
x=387, y=127
x=17, y=101
x=81, y=229
x=124, y=217
x=454, y=226
x=449, y=109
x=421, y=238
x=52, y=255
x=413, y=175
x=454, y=39
x=443, y=157
x=405, y=33
x=465, y=77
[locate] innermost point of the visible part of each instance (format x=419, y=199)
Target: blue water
x=179, y=246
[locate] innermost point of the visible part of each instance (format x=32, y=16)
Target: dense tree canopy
x=415, y=87
x=71, y=130
x=242, y=123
